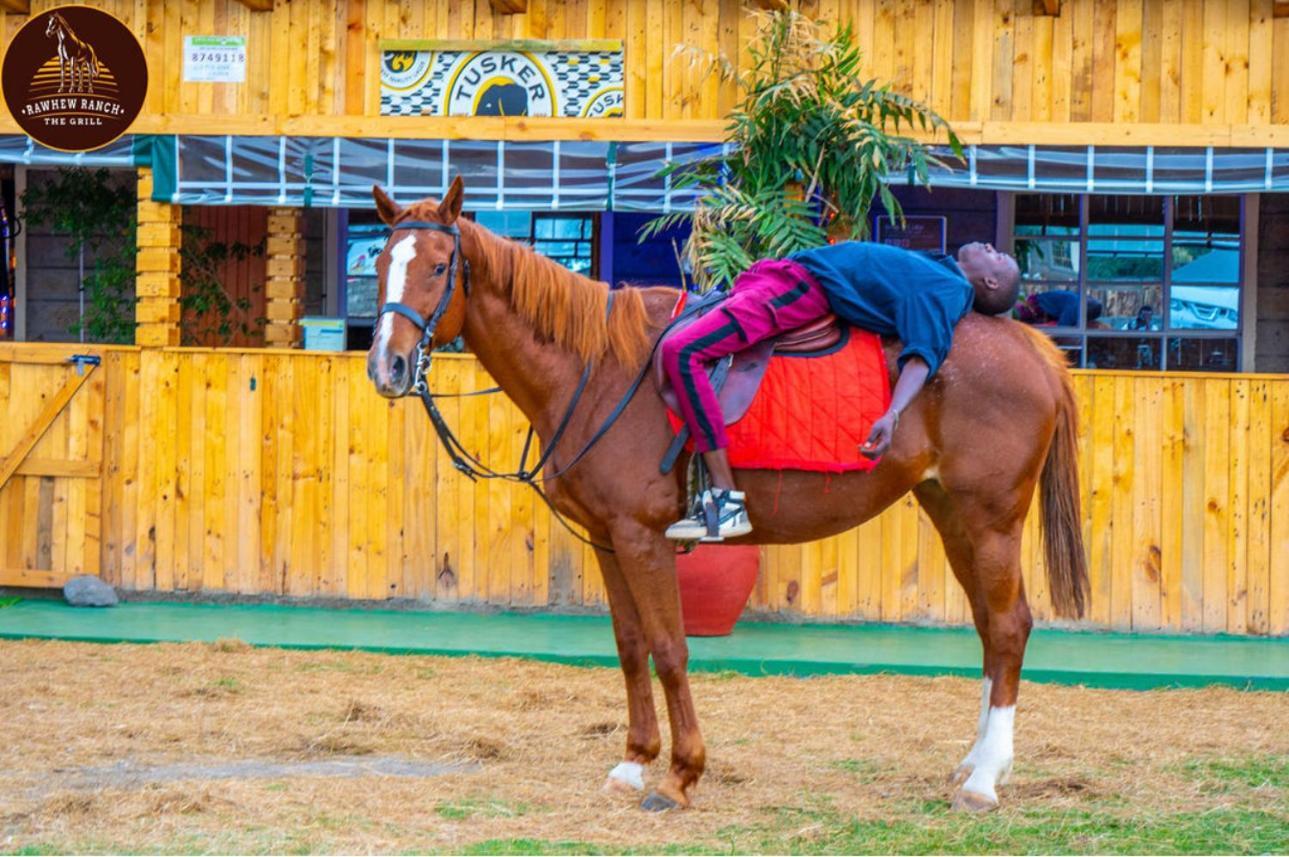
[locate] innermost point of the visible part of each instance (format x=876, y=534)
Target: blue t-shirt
x=917, y=297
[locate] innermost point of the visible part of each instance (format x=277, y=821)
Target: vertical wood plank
x=112, y=429
x=1146, y=490
x=1217, y=510
x=1082, y=54
x=1172, y=488
x=184, y=383
x=1278, y=585
x=1194, y=514
x=1213, y=89
x=1152, y=45
x=150, y=363
x=1170, y=73
x=1236, y=61
x=339, y=572
x=967, y=58
x=216, y=477
x=1022, y=62
x=1259, y=470
x=1042, y=66
x=1127, y=58
x=1237, y=542
x=249, y=472
x=130, y=483
x=1261, y=44
x=1104, y=51
x=1193, y=61
x=1102, y=458
x=1123, y=558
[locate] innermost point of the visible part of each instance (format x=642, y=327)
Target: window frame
x=1007, y=240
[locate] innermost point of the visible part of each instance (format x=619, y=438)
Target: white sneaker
x=731, y=518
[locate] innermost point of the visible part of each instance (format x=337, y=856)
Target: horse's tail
x=1067, y=568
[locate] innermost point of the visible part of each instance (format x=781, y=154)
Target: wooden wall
x=988, y=64
x=278, y=473
x=242, y=278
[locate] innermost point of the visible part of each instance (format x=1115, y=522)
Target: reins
x=462, y=459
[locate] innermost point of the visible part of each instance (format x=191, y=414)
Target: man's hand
x=879, y=439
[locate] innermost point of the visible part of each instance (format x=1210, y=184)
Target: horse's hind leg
x=985, y=557
x=643, y=740
x=648, y=563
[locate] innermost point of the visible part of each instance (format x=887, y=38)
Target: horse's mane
x=563, y=307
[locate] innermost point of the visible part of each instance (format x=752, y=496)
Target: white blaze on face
x=395, y=285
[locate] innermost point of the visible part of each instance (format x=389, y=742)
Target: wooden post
x=156, y=269
x=284, y=290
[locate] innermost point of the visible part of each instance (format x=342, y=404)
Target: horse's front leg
x=643, y=740
x=648, y=564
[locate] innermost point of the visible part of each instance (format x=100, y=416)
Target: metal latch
x=83, y=360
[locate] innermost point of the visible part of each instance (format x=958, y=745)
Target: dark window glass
x=1123, y=352
x=1203, y=355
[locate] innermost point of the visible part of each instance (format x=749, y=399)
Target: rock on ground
x=86, y=590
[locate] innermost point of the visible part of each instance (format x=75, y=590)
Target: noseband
x=424, y=349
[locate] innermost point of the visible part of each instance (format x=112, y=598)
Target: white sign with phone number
x=215, y=59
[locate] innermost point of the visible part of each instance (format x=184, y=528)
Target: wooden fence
x=282, y=473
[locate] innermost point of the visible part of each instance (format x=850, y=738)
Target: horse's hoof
x=966, y=801
x=656, y=802
x=960, y=774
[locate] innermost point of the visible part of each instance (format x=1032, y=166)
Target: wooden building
x=1133, y=153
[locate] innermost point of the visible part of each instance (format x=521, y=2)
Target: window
x=1133, y=282
x=566, y=238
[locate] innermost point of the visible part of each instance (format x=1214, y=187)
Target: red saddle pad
x=813, y=412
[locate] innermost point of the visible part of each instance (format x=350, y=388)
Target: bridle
x=462, y=459
x=425, y=348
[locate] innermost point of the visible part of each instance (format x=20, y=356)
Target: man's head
x=995, y=276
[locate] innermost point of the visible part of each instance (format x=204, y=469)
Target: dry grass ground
x=796, y=765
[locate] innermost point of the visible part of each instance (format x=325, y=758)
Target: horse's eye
x=439, y=269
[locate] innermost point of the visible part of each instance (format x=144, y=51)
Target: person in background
x=1058, y=307
x=1145, y=316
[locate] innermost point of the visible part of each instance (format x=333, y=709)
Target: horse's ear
x=385, y=207
x=450, y=207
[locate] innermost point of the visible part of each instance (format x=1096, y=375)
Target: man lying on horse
x=917, y=297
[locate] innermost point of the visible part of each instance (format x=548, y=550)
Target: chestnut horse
x=998, y=420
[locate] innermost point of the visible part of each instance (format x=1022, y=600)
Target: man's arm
x=912, y=377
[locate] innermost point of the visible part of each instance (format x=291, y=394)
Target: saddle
x=737, y=378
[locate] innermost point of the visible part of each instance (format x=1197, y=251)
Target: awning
x=597, y=175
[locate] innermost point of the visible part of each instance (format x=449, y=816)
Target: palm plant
x=811, y=147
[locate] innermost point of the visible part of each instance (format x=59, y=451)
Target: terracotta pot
x=715, y=582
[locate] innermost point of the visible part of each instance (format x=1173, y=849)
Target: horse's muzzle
x=392, y=376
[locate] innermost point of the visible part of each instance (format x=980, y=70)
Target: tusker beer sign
x=501, y=79
x=74, y=78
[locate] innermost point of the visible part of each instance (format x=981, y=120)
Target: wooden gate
x=51, y=440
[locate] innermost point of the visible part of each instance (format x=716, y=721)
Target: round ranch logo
x=605, y=103
x=74, y=78
x=500, y=83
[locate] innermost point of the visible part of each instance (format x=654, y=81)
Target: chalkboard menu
x=917, y=232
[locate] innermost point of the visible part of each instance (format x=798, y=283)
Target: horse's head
x=421, y=256
x=52, y=28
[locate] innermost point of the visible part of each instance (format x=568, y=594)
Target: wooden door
x=51, y=458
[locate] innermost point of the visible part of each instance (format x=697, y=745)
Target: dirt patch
x=112, y=748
